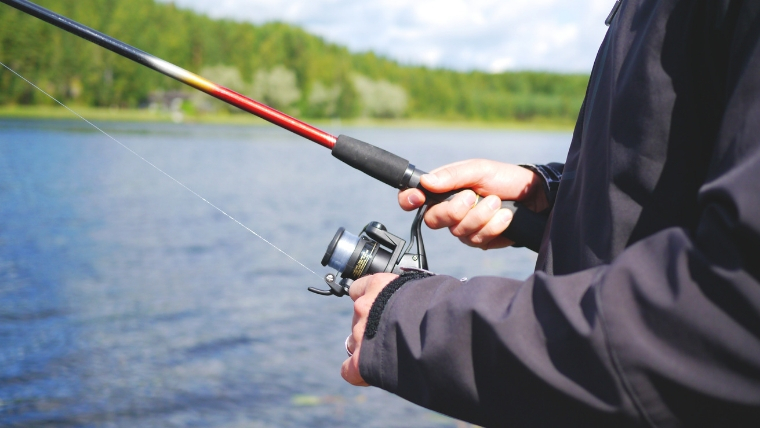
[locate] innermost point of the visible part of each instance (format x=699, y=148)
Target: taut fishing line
x=160, y=170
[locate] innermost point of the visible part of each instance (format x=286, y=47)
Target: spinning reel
x=374, y=250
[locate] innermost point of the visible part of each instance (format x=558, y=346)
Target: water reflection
x=127, y=301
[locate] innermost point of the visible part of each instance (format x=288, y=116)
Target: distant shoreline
x=145, y=115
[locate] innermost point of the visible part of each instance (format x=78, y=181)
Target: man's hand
x=480, y=225
x=363, y=291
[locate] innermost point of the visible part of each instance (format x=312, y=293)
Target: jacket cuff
x=373, y=320
x=551, y=175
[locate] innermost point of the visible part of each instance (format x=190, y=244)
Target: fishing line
x=160, y=170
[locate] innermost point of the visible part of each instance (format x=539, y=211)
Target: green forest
x=279, y=64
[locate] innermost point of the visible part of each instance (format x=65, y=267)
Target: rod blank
x=227, y=95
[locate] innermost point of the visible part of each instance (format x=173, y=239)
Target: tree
x=276, y=87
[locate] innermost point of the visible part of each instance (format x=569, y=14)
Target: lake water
x=125, y=300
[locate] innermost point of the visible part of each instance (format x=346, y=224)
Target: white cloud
x=499, y=65
x=490, y=35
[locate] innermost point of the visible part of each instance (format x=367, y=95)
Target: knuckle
x=458, y=231
x=466, y=241
x=446, y=173
x=365, y=305
x=361, y=307
x=432, y=223
x=377, y=282
x=353, y=291
x=435, y=218
x=458, y=214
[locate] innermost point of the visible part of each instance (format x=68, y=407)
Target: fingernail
x=431, y=179
x=505, y=216
x=469, y=199
x=494, y=203
x=414, y=199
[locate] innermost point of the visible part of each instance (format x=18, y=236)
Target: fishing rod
x=374, y=249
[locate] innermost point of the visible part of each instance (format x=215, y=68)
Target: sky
x=486, y=35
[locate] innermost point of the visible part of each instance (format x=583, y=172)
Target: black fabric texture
x=644, y=309
x=373, y=319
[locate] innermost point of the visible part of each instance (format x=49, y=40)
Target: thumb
x=432, y=182
x=484, y=177
x=458, y=175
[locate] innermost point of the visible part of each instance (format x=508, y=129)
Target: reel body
x=373, y=250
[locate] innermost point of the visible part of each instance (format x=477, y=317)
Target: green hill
x=279, y=64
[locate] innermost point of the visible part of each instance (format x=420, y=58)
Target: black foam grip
x=371, y=160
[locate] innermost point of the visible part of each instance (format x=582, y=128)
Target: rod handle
x=526, y=228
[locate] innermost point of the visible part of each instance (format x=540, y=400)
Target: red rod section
x=274, y=116
x=231, y=97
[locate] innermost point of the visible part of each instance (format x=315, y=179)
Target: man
x=645, y=305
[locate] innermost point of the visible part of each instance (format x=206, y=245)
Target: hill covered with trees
x=276, y=63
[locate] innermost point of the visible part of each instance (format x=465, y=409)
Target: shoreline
x=146, y=115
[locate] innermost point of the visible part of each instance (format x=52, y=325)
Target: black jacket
x=645, y=305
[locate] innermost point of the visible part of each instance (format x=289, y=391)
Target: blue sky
x=486, y=35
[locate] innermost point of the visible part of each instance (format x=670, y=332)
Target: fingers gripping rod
x=526, y=228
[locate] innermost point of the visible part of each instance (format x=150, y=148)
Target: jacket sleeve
x=551, y=175
x=667, y=334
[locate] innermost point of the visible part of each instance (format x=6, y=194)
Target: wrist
x=545, y=184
